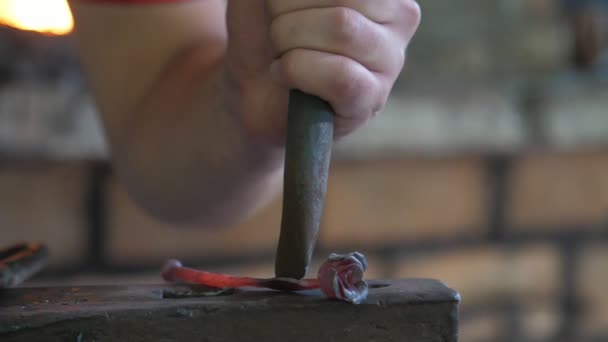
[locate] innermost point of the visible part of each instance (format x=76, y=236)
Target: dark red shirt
x=134, y=1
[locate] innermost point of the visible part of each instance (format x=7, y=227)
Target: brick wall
x=46, y=202
x=521, y=242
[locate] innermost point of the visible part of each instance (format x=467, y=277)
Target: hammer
x=310, y=130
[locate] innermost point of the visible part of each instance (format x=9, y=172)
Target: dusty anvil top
x=396, y=310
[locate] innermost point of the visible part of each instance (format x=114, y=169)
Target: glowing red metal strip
x=340, y=277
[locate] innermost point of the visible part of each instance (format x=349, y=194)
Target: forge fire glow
x=339, y=277
x=45, y=16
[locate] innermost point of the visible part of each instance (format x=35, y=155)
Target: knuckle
x=289, y=65
x=383, y=95
x=348, y=83
x=412, y=12
x=274, y=7
x=276, y=32
x=394, y=68
x=346, y=23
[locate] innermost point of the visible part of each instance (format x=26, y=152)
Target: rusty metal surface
x=412, y=310
x=310, y=131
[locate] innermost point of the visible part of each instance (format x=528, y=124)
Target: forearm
x=172, y=124
x=184, y=153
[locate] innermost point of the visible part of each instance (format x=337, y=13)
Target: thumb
x=249, y=45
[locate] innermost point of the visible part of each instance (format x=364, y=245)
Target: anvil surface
x=395, y=310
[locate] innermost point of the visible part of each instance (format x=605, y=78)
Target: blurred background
x=488, y=170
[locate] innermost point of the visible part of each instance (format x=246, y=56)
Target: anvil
x=310, y=131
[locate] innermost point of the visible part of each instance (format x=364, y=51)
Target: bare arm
x=197, y=125
x=177, y=141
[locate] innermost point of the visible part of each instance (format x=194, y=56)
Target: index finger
x=379, y=11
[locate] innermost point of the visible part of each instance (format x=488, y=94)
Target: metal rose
x=341, y=277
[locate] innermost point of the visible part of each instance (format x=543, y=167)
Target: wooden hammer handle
x=310, y=131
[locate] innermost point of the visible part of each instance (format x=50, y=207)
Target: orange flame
x=45, y=16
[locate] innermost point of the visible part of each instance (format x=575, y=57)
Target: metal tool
x=21, y=261
x=310, y=130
